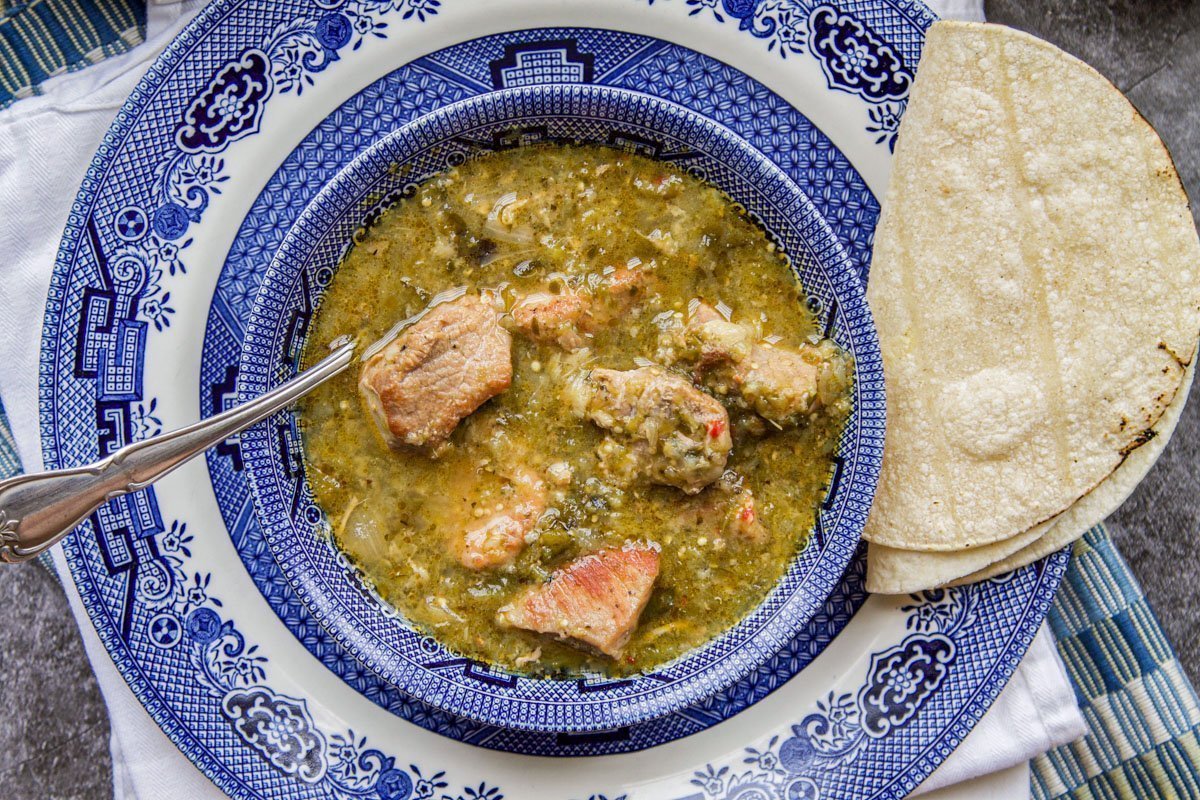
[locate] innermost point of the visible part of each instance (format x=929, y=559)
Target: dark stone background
x=53, y=725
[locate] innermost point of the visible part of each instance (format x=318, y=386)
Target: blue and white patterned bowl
x=346, y=605
x=179, y=580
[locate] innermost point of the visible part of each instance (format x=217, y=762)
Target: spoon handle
x=38, y=510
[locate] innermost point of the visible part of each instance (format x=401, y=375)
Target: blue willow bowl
x=295, y=527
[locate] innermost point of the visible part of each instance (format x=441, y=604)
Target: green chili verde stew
x=602, y=426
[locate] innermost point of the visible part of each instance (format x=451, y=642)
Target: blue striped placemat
x=10, y=463
x=1142, y=713
x=43, y=38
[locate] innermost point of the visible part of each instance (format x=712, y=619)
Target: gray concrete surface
x=53, y=728
x=53, y=725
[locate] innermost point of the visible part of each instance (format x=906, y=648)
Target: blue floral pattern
x=852, y=55
x=229, y=108
x=899, y=681
x=281, y=729
x=854, y=59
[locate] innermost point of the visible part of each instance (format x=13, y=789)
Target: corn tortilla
x=1036, y=287
x=894, y=571
x=1093, y=507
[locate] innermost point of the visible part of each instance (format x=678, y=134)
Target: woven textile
x=9, y=463
x=44, y=38
x=1142, y=713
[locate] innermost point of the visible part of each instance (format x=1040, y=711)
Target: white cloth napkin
x=46, y=143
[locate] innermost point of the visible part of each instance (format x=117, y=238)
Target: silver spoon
x=36, y=511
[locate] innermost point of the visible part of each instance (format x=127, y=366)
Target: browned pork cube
x=623, y=286
x=499, y=539
x=596, y=600
x=667, y=429
x=569, y=318
x=435, y=373
x=559, y=319
x=778, y=383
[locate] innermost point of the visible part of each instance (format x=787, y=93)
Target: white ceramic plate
x=235, y=128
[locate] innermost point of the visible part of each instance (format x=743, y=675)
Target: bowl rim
x=345, y=194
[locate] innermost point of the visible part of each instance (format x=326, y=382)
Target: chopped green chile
x=638, y=240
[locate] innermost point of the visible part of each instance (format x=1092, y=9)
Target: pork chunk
x=726, y=512
x=595, y=600
x=779, y=383
x=622, y=288
x=560, y=319
x=741, y=520
x=438, y=371
x=663, y=427
x=499, y=539
x=568, y=318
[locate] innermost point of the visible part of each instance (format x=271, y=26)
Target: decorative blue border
x=853, y=56
x=822, y=757
x=310, y=255
x=608, y=58
x=97, y=322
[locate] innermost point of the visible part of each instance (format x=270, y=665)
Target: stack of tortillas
x=1036, y=286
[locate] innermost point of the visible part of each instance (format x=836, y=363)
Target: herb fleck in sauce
x=560, y=219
